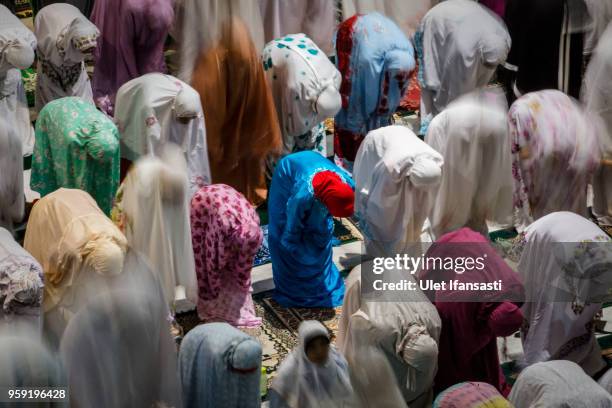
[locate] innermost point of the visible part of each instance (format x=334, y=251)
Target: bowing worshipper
x=12, y=198
x=219, y=367
x=406, y=329
x=201, y=24
x=307, y=191
x=596, y=95
x=407, y=15
x=133, y=34
x=315, y=18
x=65, y=38
x=472, y=319
x=552, y=138
x=26, y=362
x=152, y=210
x=557, y=384
x=396, y=175
x=547, y=45
x=226, y=237
x=472, y=136
x=459, y=44
x=17, y=45
x=375, y=59
x=471, y=395
x=84, y=6
x=79, y=249
x=156, y=109
x=565, y=264
x=241, y=124
x=76, y=146
x=305, y=86
x=21, y=291
x=117, y=351
x=314, y=375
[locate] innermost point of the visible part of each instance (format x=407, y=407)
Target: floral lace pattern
x=65, y=76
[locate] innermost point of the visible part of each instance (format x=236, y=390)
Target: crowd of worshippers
x=150, y=186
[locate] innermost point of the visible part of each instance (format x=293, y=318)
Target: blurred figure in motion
x=372, y=378
x=597, y=96
x=307, y=191
x=396, y=179
x=566, y=265
x=133, y=34
x=375, y=59
x=12, y=198
x=65, y=37
x=472, y=319
x=21, y=287
x=459, y=44
x=406, y=14
x=156, y=109
x=220, y=367
x=25, y=362
x=77, y=146
x=313, y=375
x=241, y=124
x=117, y=351
x=405, y=329
x=552, y=138
x=471, y=395
x=199, y=27
x=226, y=237
x=472, y=136
x=17, y=46
x=80, y=250
x=315, y=18
x=152, y=209
x=557, y=384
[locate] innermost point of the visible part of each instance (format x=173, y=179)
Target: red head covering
x=335, y=194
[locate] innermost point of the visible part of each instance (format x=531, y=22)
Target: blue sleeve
x=297, y=206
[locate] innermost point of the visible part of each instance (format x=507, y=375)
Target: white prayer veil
x=301, y=383
x=17, y=45
x=64, y=36
x=154, y=110
x=118, y=351
x=199, y=24
x=305, y=86
x=476, y=187
x=557, y=384
x=407, y=332
x=463, y=43
x=12, y=198
x=396, y=176
x=566, y=267
x=556, y=151
x=155, y=205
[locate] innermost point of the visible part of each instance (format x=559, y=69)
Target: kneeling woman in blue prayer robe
x=307, y=191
